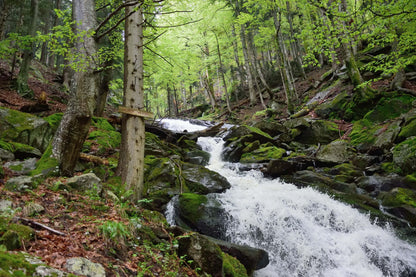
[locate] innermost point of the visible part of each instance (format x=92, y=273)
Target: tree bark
x=221, y=70
x=131, y=162
x=104, y=89
x=251, y=90
x=22, y=79
x=74, y=126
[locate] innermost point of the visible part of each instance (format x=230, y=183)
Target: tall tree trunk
x=74, y=126
x=251, y=90
x=4, y=14
x=287, y=81
x=170, y=101
x=131, y=162
x=22, y=79
x=221, y=70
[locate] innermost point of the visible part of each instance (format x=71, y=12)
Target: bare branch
x=179, y=25
x=157, y=54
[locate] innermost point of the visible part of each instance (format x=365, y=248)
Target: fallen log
x=35, y=224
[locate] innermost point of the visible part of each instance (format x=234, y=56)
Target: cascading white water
x=305, y=232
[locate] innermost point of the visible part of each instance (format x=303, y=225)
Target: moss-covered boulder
x=400, y=202
x=345, y=172
x=14, y=235
x=376, y=183
x=289, y=165
x=271, y=127
x=20, y=150
x=263, y=153
x=408, y=129
x=390, y=107
x=201, y=213
x=232, y=267
x=155, y=147
x=239, y=138
x=333, y=108
x=47, y=165
x=338, y=151
x=103, y=139
x=318, y=131
x=202, y=180
x=367, y=136
x=21, y=183
x=404, y=155
x=24, y=128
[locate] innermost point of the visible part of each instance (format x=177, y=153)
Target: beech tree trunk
x=131, y=162
x=75, y=123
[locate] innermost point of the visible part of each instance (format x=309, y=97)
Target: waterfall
x=305, y=232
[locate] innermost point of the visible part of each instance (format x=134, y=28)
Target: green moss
x=411, y=180
x=362, y=132
x=388, y=108
x=15, y=264
x=6, y=146
x=16, y=123
x=398, y=197
x=54, y=120
x=232, y=267
x=46, y=165
x=15, y=235
x=390, y=167
x=102, y=124
x=404, y=155
x=189, y=203
x=251, y=146
x=409, y=130
x=263, y=154
x=106, y=140
x=258, y=131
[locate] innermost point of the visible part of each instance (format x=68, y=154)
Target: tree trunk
x=283, y=67
x=4, y=14
x=251, y=90
x=103, y=90
x=131, y=162
x=22, y=79
x=74, y=126
x=221, y=70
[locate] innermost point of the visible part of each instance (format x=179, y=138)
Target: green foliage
x=54, y=120
x=232, y=267
x=115, y=231
x=15, y=264
x=47, y=165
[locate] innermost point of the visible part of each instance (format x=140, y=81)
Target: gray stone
x=338, y=151
x=20, y=183
x=5, y=205
x=44, y=271
x=22, y=167
x=85, y=267
x=6, y=155
x=85, y=182
x=202, y=180
x=32, y=209
x=385, y=137
x=404, y=155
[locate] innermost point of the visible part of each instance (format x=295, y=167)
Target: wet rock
x=198, y=157
x=201, y=213
x=400, y=202
x=202, y=180
x=22, y=167
x=338, y=151
x=205, y=254
x=251, y=258
x=85, y=267
x=376, y=183
x=277, y=168
x=20, y=183
x=263, y=154
x=271, y=128
x=86, y=182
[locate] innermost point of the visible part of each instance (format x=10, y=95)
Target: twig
x=32, y=223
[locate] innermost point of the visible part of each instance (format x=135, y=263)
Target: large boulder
x=404, y=155
x=400, y=202
x=21, y=183
x=287, y=166
x=333, y=108
x=202, y=180
x=271, y=128
x=390, y=107
x=25, y=128
x=239, y=137
x=201, y=213
x=313, y=131
x=86, y=182
x=265, y=153
x=338, y=151
x=206, y=255
x=21, y=167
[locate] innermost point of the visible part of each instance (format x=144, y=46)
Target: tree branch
x=157, y=54
x=179, y=25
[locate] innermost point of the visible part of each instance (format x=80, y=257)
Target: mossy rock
x=404, y=155
x=190, y=206
x=102, y=124
x=345, y=172
x=408, y=130
x=364, y=134
x=54, y=120
x=105, y=141
x=398, y=196
x=24, y=128
x=389, y=108
x=15, y=235
x=154, y=146
x=47, y=165
x=411, y=180
x=338, y=151
x=320, y=131
x=263, y=154
x=15, y=264
x=333, y=109
x=232, y=267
